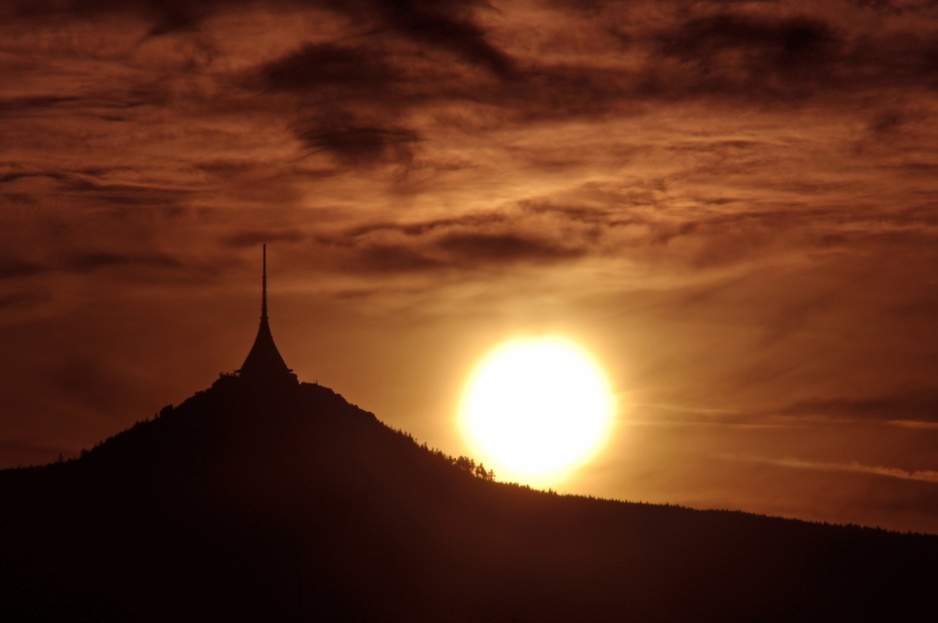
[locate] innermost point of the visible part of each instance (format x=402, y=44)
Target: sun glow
x=536, y=409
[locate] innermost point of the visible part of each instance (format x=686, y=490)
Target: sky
x=732, y=205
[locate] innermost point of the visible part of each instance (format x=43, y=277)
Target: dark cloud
x=143, y=264
x=447, y=24
x=886, y=122
x=353, y=102
x=386, y=257
x=565, y=91
x=642, y=225
x=356, y=143
x=616, y=215
x=924, y=308
x=110, y=106
x=21, y=300
x=355, y=98
x=244, y=239
x=894, y=7
x=167, y=15
x=12, y=268
x=317, y=66
x=617, y=222
x=471, y=242
x=915, y=404
x=18, y=106
x=463, y=251
x=424, y=227
x=177, y=16
x=782, y=43
x=472, y=249
x=749, y=57
x=121, y=194
x=789, y=57
x=94, y=261
x=443, y=24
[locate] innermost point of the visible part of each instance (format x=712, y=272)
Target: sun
x=535, y=409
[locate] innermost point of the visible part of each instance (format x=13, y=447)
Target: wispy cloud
x=913, y=405
x=929, y=476
x=914, y=424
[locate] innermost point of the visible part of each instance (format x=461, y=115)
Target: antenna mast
x=264, y=287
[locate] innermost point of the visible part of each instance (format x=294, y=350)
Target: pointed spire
x=264, y=287
x=264, y=362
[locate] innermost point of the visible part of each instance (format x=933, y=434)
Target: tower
x=264, y=362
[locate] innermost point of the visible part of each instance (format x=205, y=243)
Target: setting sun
x=535, y=409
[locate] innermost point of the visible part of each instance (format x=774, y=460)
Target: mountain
x=266, y=499
x=280, y=501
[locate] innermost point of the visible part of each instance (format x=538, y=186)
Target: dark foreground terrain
x=289, y=504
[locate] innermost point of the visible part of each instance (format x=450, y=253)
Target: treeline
x=466, y=464
x=462, y=462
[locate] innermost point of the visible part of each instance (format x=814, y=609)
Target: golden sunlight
x=535, y=409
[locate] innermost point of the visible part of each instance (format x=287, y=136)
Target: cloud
x=920, y=404
x=394, y=258
x=447, y=25
x=745, y=58
x=897, y=7
x=93, y=185
x=355, y=143
x=471, y=242
x=349, y=100
x=782, y=44
x=13, y=268
x=420, y=228
x=168, y=15
x=465, y=251
x=929, y=476
x=94, y=261
x=177, y=16
x=444, y=24
x=21, y=300
x=123, y=194
x=81, y=263
x=915, y=424
x=323, y=65
x=609, y=221
x=111, y=104
x=472, y=249
x=254, y=238
x=20, y=106
x=774, y=54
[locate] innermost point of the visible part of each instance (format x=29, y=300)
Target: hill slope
x=291, y=504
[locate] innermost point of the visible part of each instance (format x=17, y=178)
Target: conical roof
x=264, y=358
x=264, y=361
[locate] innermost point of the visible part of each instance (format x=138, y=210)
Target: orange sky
x=732, y=204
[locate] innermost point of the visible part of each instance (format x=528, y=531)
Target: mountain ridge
x=289, y=503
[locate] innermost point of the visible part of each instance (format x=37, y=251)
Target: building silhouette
x=264, y=365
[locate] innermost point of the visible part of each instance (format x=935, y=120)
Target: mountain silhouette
x=266, y=499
